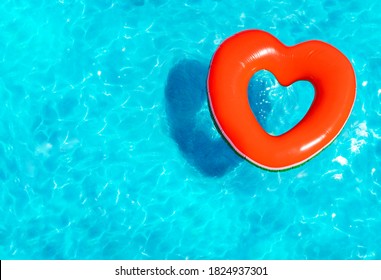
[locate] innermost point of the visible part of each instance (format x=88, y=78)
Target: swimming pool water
x=108, y=150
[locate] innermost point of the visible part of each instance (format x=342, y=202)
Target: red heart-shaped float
x=240, y=57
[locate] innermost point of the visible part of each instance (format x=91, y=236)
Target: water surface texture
x=108, y=149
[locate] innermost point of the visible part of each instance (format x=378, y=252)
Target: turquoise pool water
x=108, y=150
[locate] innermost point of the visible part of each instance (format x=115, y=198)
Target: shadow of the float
x=190, y=121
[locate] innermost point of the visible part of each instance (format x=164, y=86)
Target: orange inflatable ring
x=239, y=57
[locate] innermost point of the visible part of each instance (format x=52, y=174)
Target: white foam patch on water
x=340, y=159
x=356, y=145
x=338, y=176
x=362, y=130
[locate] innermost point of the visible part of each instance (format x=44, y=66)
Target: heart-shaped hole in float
x=278, y=109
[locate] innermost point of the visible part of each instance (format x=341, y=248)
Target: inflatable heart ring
x=240, y=57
